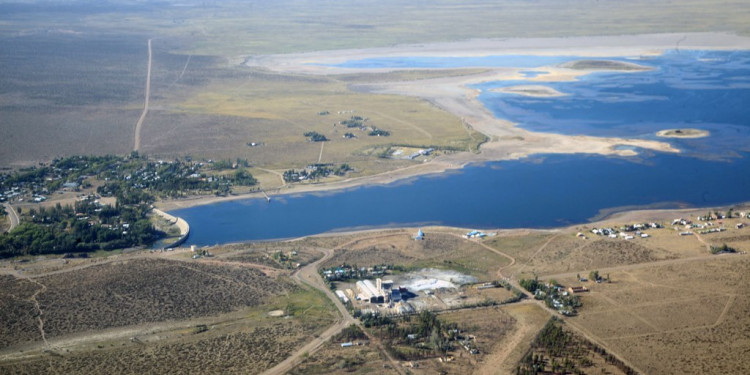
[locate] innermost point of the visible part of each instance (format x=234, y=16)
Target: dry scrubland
x=139, y=291
x=185, y=316
x=245, y=352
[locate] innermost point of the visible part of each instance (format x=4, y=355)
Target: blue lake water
x=709, y=90
x=698, y=89
x=536, y=192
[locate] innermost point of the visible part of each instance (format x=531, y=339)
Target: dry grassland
x=691, y=316
x=276, y=110
x=439, y=249
x=563, y=252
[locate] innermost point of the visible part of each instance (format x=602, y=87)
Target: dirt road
x=139, y=124
x=13, y=216
x=309, y=276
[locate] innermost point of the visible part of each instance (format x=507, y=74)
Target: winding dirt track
x=13, y=216
x=139, y=124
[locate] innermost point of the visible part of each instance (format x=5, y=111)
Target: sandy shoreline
x=598, y=46
x=453, y=94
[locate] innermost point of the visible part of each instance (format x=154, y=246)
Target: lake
x=539, y=192
x=699, y=89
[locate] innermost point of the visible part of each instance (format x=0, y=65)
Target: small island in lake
x=683, y=133
x=530, y=90
x=603, y=65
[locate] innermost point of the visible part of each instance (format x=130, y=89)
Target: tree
x=436, y=341
x=594, y=275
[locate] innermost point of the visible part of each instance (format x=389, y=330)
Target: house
x=419, y=236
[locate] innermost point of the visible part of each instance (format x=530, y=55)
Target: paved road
x=139, y=124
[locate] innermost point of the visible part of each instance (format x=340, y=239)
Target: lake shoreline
x=453, y=94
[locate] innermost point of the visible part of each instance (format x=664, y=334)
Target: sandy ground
x=453, y=94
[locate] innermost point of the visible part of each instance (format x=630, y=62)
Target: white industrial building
x=342, y=296
x=371, y=292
